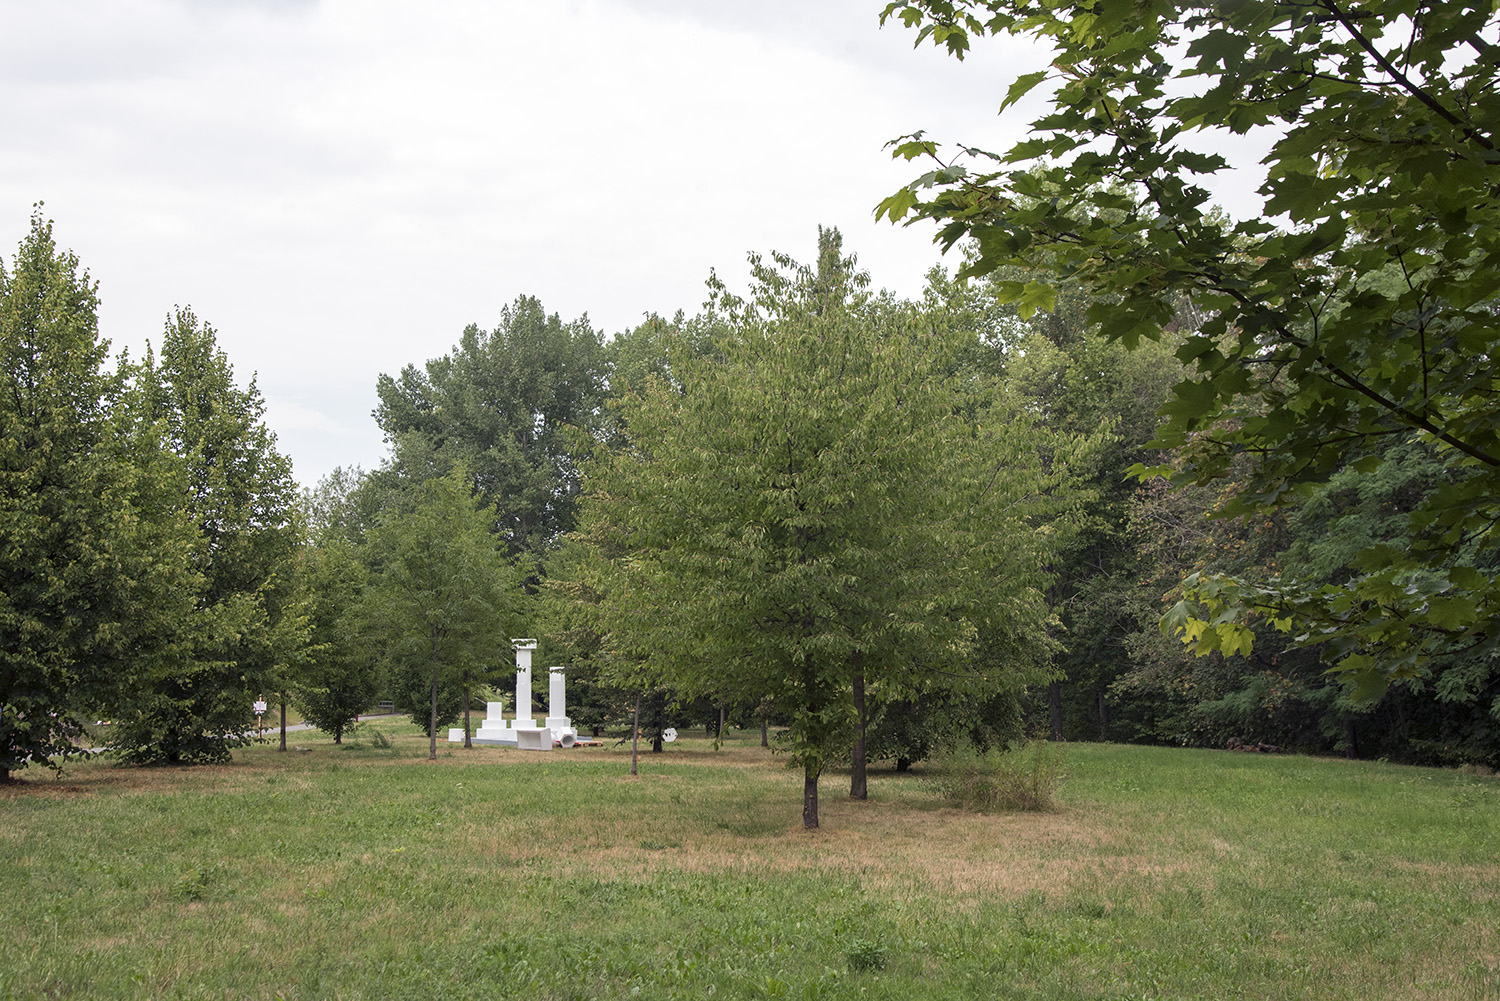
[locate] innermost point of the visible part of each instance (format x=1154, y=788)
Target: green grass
x=358, y=872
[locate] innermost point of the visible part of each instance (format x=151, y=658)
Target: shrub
x=1024, y=776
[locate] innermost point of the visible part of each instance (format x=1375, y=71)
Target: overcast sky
x=339, y=187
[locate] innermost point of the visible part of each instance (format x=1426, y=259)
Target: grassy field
x=361, y=872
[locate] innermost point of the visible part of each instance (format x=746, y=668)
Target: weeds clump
x=865, y=956
x=1023, y=776
x=193, y=883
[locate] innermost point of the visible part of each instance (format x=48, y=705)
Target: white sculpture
x=523, y=683
x=557, y=718
x=523, y=731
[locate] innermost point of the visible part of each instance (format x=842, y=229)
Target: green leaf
x=1022, y=86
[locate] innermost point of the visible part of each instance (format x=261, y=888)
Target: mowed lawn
x=361, y=872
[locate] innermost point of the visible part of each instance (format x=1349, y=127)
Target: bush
x=1025, y=776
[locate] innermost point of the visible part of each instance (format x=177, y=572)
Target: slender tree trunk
x=1054, y=699
x=432, y=719
x=764, y=737
x=635, y=734
x=810, y=795
x=283, y=723
x=658, y=719
x=468, y=695
x=1103, y=716
x=720, y=737
x=858, y=781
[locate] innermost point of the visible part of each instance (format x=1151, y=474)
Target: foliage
x=248, y=632
x=342, y=504
x=499, y=405
x=1079, y=382
x=865, y=955
x=1368, y=316
x=1278, y=693
x=912, y=729
x=1023, y=776
x=441, y=598
x=812, y=505
x=340, y=678
x=93, y=564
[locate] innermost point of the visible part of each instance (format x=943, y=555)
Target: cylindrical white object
x=523, y=687
x=555, y=693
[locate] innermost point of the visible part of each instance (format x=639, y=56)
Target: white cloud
x=339, y=187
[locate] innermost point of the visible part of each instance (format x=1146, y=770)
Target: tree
x=803, y=508
x=238, y=491
x=441, y=596
x=499, y=405
x=340, y=676
x=340, y=679
x=1368, y=315
x=93, y=572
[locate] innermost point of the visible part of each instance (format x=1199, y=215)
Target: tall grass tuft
x=1024, y=776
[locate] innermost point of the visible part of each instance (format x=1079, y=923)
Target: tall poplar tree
x=239, y=493
x=498, y=404
x=94, y=579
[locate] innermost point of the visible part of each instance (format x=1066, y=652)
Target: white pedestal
x=495, y=729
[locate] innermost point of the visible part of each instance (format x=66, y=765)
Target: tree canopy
x=442, y=598
x=817, y=503
x=499, y=404
x=237, y=490
x=94, y=560
x=1359, y=309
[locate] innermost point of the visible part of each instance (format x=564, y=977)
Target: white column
x=557, y=710
x=523, y=683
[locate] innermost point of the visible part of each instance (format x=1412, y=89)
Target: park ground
x=363, y=872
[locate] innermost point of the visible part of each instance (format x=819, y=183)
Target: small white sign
x=260, y=708
x=669, y=734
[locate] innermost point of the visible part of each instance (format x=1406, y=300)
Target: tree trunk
x=635, y=734
x=283, y=723
x=764, y=737
x=858, y=781
x=1054, y=699
x=468, y=695
x=810, y=796
x=1103, y=716
x=432, y=720
x=720, y=737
